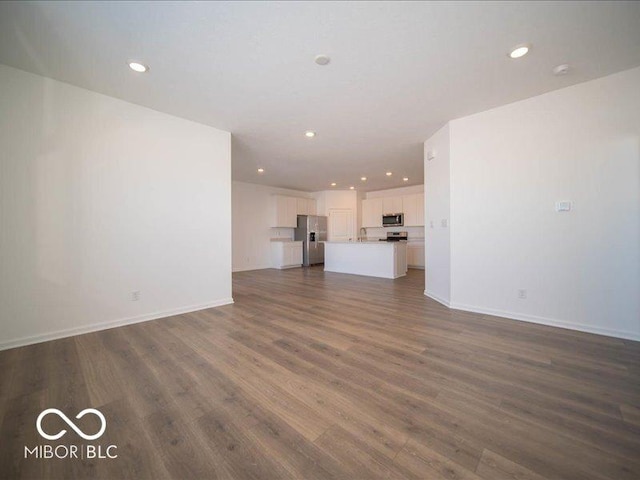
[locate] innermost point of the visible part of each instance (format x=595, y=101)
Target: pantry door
x=340, y=225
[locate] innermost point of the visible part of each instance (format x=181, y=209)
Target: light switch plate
x=563, y=206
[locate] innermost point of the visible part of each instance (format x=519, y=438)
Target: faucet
x=362, y=237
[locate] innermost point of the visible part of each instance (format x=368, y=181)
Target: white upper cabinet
x=312, y=206
x=292, y=212
x=372, y=212
x=420, y=216
x=306, y=206
x=391, y=205
x=302, y=206
x=411, y=205
x=410, y=210
x=413, y=209
x=284, y=211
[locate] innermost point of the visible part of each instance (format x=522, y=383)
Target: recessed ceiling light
x=261, y=170
x=322, y=59
x=138, y=67
x=519, y=51
x=389, y=174
x=561, y=69
x=352, y=187
x=364, y=179
x=309, y=134
x=405, y=179
x=333, y=184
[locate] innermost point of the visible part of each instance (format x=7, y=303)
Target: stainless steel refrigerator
x=312, y=230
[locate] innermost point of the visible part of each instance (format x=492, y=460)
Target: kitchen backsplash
x=281, y=233
x=415, y=233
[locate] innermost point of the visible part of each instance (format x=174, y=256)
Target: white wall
x=437, y=216
x=509, y=166
x=394, y=192
x=251, y=218
x=101, y=198
x=413, y=233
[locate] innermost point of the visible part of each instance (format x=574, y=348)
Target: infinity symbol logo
x=71, y=424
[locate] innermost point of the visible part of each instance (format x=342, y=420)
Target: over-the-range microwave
x=393, y=220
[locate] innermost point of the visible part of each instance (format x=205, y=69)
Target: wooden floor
x=313, y=375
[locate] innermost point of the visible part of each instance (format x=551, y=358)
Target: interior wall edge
x=551, y=322
x=250, y=268
x=437, y=298
x=95, y=327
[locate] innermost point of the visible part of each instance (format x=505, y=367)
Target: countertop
x=369, y=242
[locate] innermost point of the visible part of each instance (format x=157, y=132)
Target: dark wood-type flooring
x=313, y=375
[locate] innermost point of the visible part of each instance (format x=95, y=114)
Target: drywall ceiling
x=398, y=70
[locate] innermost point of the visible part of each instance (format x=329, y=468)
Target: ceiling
x=398, y=70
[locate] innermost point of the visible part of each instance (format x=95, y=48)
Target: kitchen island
x=373, y=259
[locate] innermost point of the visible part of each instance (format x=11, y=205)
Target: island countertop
x=370, y=258
x=371, y=242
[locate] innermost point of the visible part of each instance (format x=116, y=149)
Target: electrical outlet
x=522, y=294
x=135, y=296
x=444, y=223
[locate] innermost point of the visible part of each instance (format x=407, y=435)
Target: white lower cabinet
x=286, y=254
x=415, y=254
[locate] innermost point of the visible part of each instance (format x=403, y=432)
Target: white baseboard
x=94, y=327
x=437, y=298
x=544, y=321
x=250, y=268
